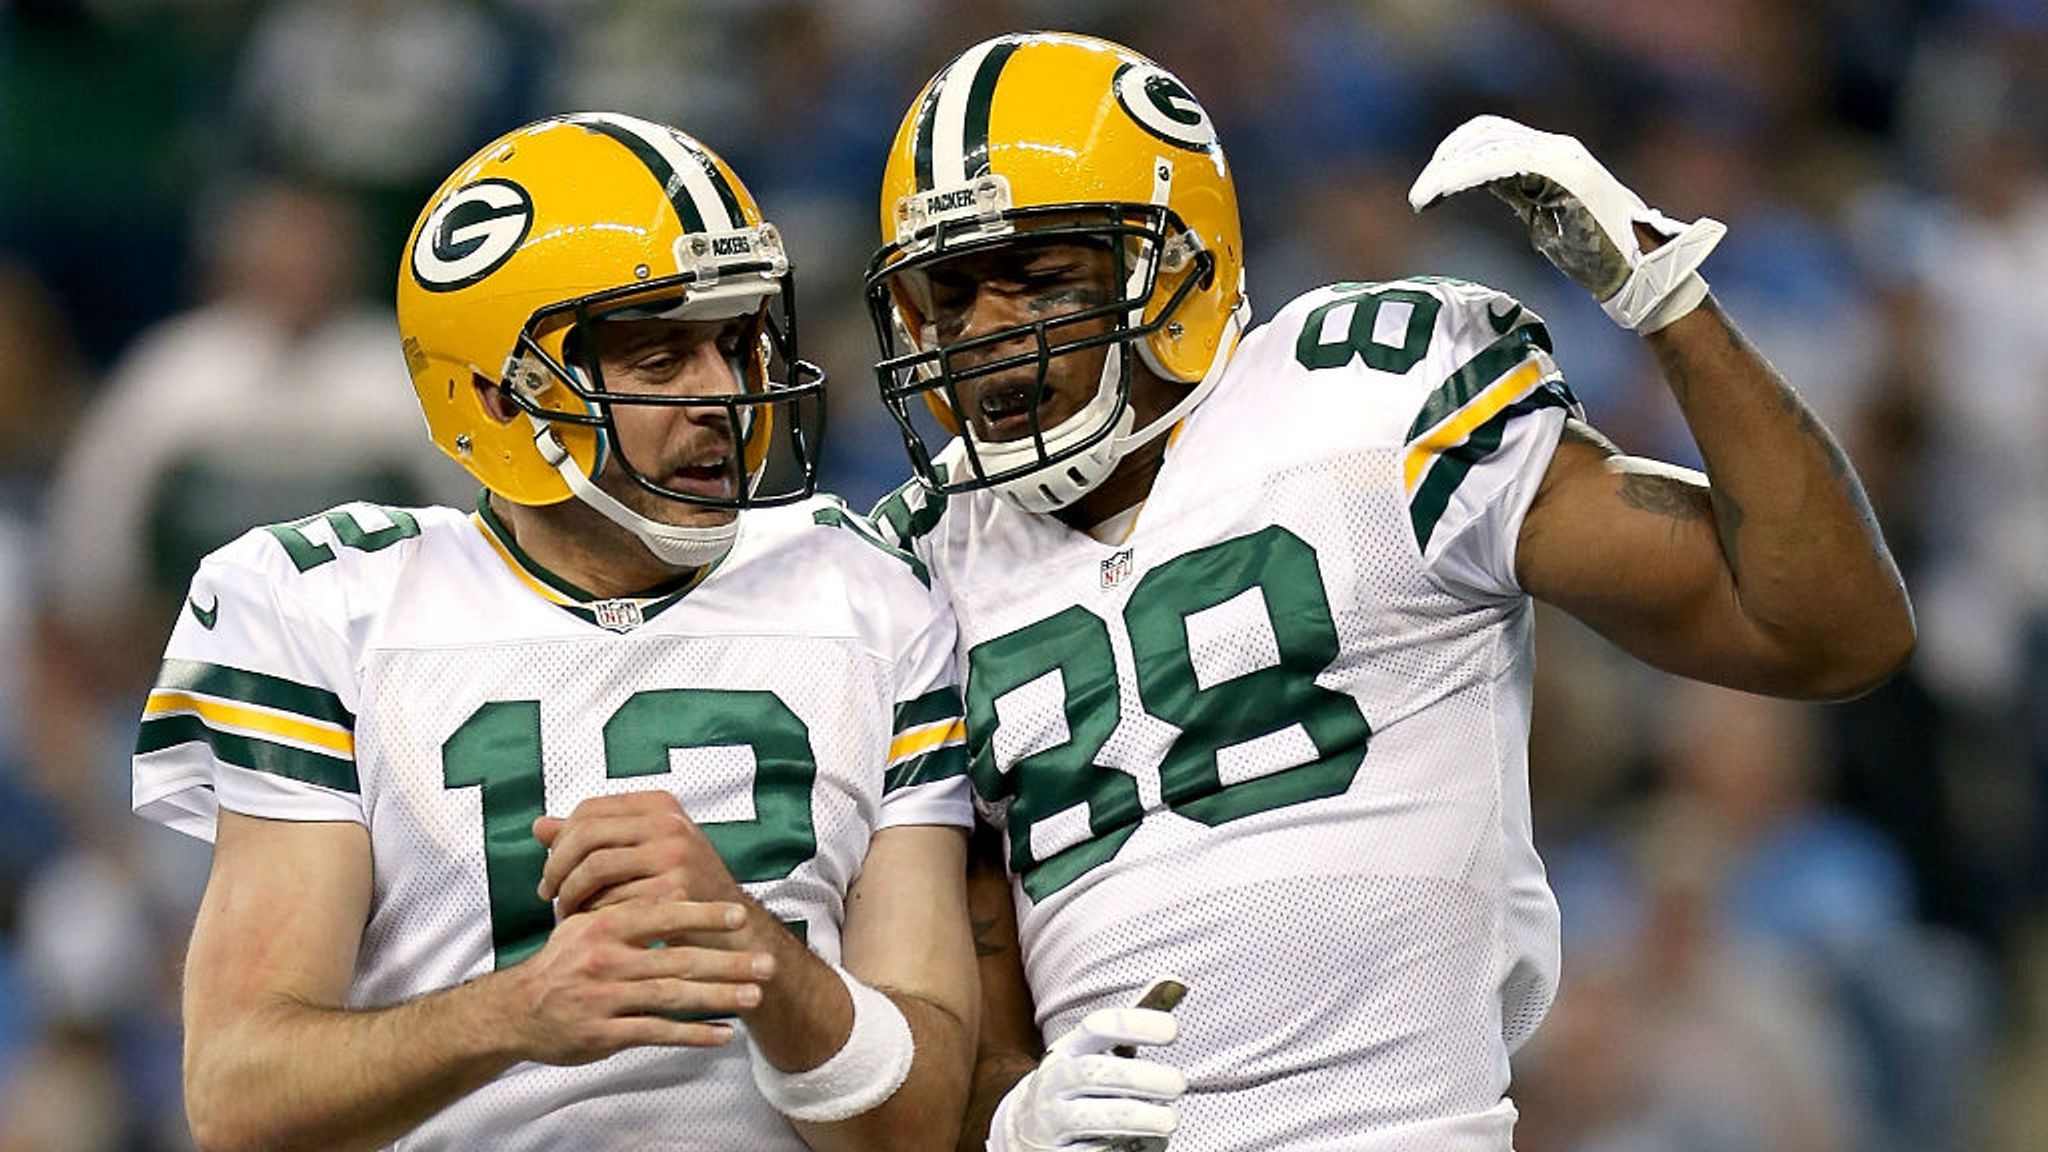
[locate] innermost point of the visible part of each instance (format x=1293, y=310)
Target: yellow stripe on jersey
x=918, y=741
x=242, y=717
x=1453, y=430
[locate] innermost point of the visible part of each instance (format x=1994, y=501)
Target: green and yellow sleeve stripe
x=252, y=720
x=930, y=741
x=1465, y=419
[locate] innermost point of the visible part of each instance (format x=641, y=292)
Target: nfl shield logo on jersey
x=617, y=615
x=1116, y=569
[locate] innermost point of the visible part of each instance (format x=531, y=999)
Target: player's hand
x=1081, y=1098
x=614, y=979
x=1579, y=216
x=637, y=846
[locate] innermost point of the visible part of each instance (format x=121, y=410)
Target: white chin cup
x=1052, y=488
x=676, y=544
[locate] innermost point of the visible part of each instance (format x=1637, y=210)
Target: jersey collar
x=617, y=613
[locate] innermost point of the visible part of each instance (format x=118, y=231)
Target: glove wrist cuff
x=1665, y=283
x=1689, y=294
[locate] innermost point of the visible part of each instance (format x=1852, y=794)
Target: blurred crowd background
x=1787, y=927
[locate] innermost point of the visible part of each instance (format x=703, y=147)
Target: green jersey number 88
x=1065, y=781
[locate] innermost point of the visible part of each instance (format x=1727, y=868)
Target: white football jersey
x=1274, y=740
x=413, y=671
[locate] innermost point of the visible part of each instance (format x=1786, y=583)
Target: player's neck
x=1125, y=489
x=1131, y=482
x=573, y=542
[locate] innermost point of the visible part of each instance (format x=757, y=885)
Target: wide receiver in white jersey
x=750, y=930
x=1245, y=616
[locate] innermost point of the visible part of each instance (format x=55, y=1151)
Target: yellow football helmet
x=1050, y=136
x=580, y=218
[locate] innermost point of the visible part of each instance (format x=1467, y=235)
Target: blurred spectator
x=42, y=387
x=42, y=391
x=378, y=97
x=280, y=397
x=1748, y=954
x=1741, y=935
x=672, y=61
x=1832, y=894
x=1961, y=233
x=1671, y=1033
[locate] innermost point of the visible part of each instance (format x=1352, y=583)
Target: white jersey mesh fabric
x=424, y=682
x=1275, y=740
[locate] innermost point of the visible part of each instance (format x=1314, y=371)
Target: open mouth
x=1006, y=410
x=716, y=477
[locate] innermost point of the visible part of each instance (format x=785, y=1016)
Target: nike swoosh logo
x=205, y=616
x=1502, y=321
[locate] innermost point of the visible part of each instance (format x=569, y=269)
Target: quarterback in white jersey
x=626, y=811
x=412, y=671
x=1245, y=617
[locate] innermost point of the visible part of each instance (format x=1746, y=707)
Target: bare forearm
x=1808, y=562
x=298, y=1076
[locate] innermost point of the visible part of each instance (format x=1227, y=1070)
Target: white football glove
x=1081, y=1098
x=1579, y=216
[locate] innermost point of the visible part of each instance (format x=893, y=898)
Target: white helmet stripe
x=960, y=128
x=693, y=183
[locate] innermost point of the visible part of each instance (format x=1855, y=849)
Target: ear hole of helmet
x=494, y=397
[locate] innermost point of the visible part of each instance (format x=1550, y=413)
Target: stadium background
x=1786, y=927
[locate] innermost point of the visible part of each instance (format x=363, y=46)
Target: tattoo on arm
x=988, y=939
x=1676, y=500
x=1810, y=427
x=1663, y=496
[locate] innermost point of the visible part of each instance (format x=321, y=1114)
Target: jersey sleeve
x=906, y=517
x=1493, y=405
x=926, y=781
x=253, y=707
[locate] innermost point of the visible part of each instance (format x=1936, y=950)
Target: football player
x=374, y=712
x=1245, y=612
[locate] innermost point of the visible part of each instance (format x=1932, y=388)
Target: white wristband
x=867, y=1069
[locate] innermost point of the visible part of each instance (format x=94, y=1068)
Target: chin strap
x=1233, y=327
x=684, y=547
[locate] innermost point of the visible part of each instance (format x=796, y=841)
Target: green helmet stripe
x=952, y=131
x=980, y=97
x=921, y=143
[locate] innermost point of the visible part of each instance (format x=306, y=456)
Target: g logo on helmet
x=469, y=234
x=1163, y=106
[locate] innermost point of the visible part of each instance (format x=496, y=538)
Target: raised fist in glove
x=1083, y=1098
x=1579, y=216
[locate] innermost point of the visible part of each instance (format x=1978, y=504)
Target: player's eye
x=951, y=294
x=658, y=364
